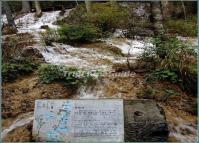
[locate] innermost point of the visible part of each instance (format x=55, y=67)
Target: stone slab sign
x=79, y=120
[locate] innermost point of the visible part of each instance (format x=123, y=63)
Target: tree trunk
x=113, y=2
x=157, y=17
x=88, y=5
x=8, y=13
x=25, y=7
x=184, y=11
x=38, y=9
x=77, y=2
x=165, y=10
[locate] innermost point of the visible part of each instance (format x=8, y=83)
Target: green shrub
x=165, y=75
x=171, y=54
x=76, y=16
x=146, y=93
x=182, y=27
x=106, y=17
x=16, y=68
x=103, y=16
x=171, y=92
x=78, y=33
x=173, y=57
x=68, y=76
x=168, y=93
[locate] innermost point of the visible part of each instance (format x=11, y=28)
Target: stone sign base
x=144, y=121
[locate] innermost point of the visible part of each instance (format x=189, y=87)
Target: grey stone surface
x=79, y=120
x=144, y=121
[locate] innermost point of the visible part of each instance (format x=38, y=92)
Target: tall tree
x=77, y=2
x=113, y=2
x=8, y=13
x=25, y=7
x=38, y=9
x=157, y=17
x=184, y=11
x=88, y=5
x=165, y=10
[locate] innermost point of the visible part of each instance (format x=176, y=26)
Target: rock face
x=144, y=120
x=33, y=54
x=44, y=27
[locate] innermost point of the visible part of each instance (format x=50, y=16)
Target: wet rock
x=30, y=51
x=9, y=30
x=20, y=134
x=24, y=90
x=44, y=27
x=144, y=121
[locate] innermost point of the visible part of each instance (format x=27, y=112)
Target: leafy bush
x=16, y=68
x=174, y=58
x=106, y=17
x=171, y=54
x=103, y=16
x=175, y=55
x=78, y=33
x=168, y=93
x=185, y=28
x=68, y=76
x=146, y=93
x=165, y=75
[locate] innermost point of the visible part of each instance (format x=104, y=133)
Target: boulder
x=144, y=121
x=44, y=27
x=31, y=52
x=7, y=30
